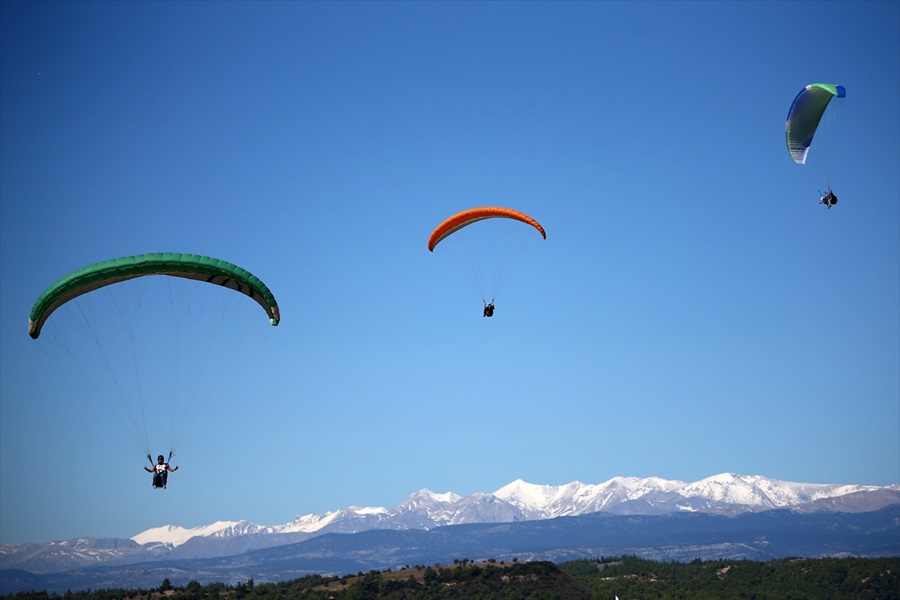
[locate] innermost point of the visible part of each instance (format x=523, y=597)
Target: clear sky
x=693, y=310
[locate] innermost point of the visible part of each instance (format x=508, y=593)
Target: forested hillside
x=625, y=577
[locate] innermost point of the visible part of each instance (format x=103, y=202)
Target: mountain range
x=725, y=494
x=525, y=508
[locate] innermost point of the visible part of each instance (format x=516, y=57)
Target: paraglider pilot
x=829, y=199
x=160, y=471
x=489, y=309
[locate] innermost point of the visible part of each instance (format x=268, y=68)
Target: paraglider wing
x=805, y=114
x=473, y=215
x=188, y=266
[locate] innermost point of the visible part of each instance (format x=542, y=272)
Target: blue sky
x=692, y=311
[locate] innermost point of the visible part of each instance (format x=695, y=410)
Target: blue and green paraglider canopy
x=805, y=114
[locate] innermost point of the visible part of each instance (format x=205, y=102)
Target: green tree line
x=625, y=577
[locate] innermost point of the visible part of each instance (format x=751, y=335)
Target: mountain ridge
x=726, y=494
x=681, y=537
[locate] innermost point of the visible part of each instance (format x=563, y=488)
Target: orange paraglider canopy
x=467, y=217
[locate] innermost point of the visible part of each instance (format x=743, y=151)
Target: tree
x=193, y=590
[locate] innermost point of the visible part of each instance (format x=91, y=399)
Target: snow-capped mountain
x=576, y=498
x=761, y=492
x=347, y=520
x=725, y=494
x=172, y=535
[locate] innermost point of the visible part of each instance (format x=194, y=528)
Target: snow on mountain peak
x=445, y=497
x=527, y=496
x=727, y=493
x=761, y=491
x=167, y=534
x=545, y=501
x=427, y=502
x=176, y=536
x=367, y=510
x=309, y=523
x=429, y=496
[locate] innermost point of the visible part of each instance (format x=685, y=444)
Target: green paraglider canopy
x=188, y=266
